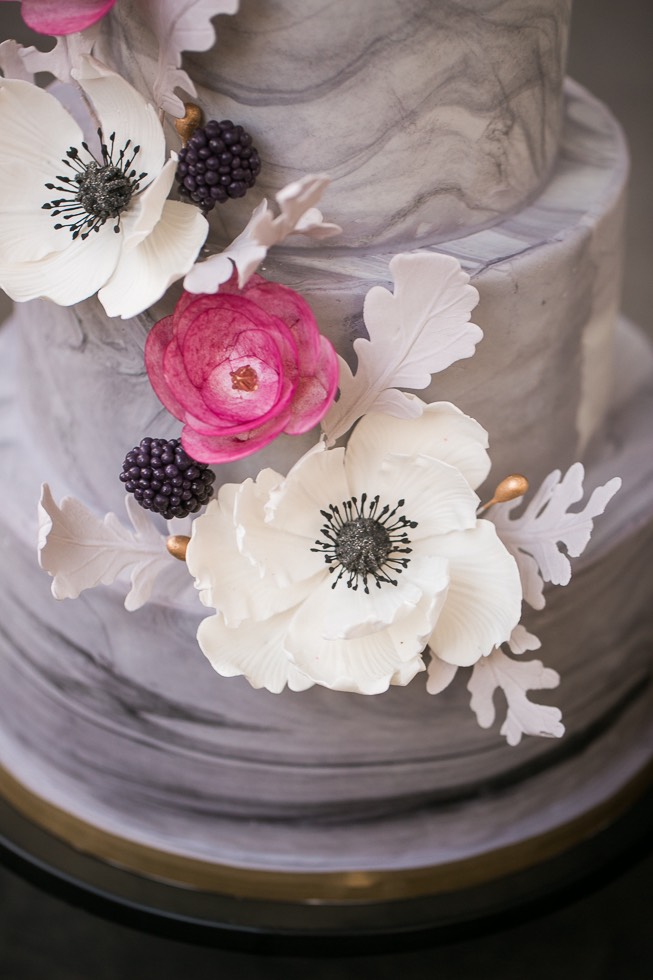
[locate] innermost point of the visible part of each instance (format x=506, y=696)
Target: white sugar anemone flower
x=77, y=220
x=342, y=573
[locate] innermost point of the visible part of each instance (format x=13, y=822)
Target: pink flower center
x=244, y=379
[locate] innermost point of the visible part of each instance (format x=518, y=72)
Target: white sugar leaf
x=440, y=675
x=298, y=217
x=416, y=331
x=537, y=538
x=81, y=550
x=515, y=678
x=180, y=25
x=13, y=63
x=521, y=640
x=17, y=61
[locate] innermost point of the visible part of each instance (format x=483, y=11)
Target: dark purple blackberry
x=217, y=162
x=164, y=478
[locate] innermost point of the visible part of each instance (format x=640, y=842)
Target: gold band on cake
x=362, y=885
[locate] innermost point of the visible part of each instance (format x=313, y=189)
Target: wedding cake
x=337, y=677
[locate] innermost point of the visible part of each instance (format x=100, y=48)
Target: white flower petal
x=294, y=510
x=145, y=211
x=66, y=277
x=269, y=550
x=441, y=431
x=123, y=111
x=231, y=584
x=363, y=664
x=36, y=132
x=344, y=613
x=144, y=273
x=254, y=649
x=484, y=599
x=435, y=495
x=406, y=671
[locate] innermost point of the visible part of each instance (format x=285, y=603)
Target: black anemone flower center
x=362, y=540
x=96, y=190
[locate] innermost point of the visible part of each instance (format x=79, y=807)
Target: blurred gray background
x=605, y=936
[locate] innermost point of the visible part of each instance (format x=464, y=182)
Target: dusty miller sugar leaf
x=298, y=216
x=81, y=550
x=178, y=27
x=414, y=332
x=17, y=61
x=515, y=678
x=521, y=640
x=536, y=539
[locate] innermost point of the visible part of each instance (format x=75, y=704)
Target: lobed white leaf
x=515, y=678
x=178, y=27
x=81, y=550
x=414, y=332
x=535, y=538
x=298, y=216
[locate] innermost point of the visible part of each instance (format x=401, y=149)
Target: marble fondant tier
x=117, y=717
x=432, y=118
x=539, y=382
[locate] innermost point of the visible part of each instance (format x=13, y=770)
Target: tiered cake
x=445, y=128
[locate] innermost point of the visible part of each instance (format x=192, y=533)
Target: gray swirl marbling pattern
x=118, y=718
x=431, y=117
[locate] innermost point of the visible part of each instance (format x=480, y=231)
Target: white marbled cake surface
x=432, y=118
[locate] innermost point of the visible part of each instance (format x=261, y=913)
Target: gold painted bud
x=187, y=125
x=513, y=486
x=177, y=544
x=510, y=488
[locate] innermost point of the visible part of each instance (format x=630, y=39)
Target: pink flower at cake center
x=240, y=367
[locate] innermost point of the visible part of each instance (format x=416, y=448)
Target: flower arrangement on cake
x=372, y=559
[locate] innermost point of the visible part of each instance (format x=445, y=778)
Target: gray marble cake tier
x=432, y=118
x=118, y=719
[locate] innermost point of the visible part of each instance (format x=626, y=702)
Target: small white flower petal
x=441, y=431
x=344, y=613
x=123, y=111
x=294, y=509
x=363, y=664
x=406, y=671
x=230, y=584
x=484, y=599
x=270, y=550
x=144, y=273
x=145, y=210
x=255, y=650
x=68, y=276
x=436, y=495
x=36, y=132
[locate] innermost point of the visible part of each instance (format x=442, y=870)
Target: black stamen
x=99, y=190
x=361, y=546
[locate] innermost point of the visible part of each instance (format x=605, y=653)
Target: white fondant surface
x=420, y=145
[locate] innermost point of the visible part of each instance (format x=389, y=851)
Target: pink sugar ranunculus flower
x=57, y=17
x=240, y=367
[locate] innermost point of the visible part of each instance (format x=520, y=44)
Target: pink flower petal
x=314, y=394
x=226, y=449
x=240, y=367
x=59, y=17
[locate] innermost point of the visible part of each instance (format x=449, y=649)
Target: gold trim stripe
x=314, y=886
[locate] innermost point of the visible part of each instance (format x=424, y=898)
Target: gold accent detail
x=315, y=886
x=244, y=379
x=177, y=544
x=187, y=125
x=510, y=488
